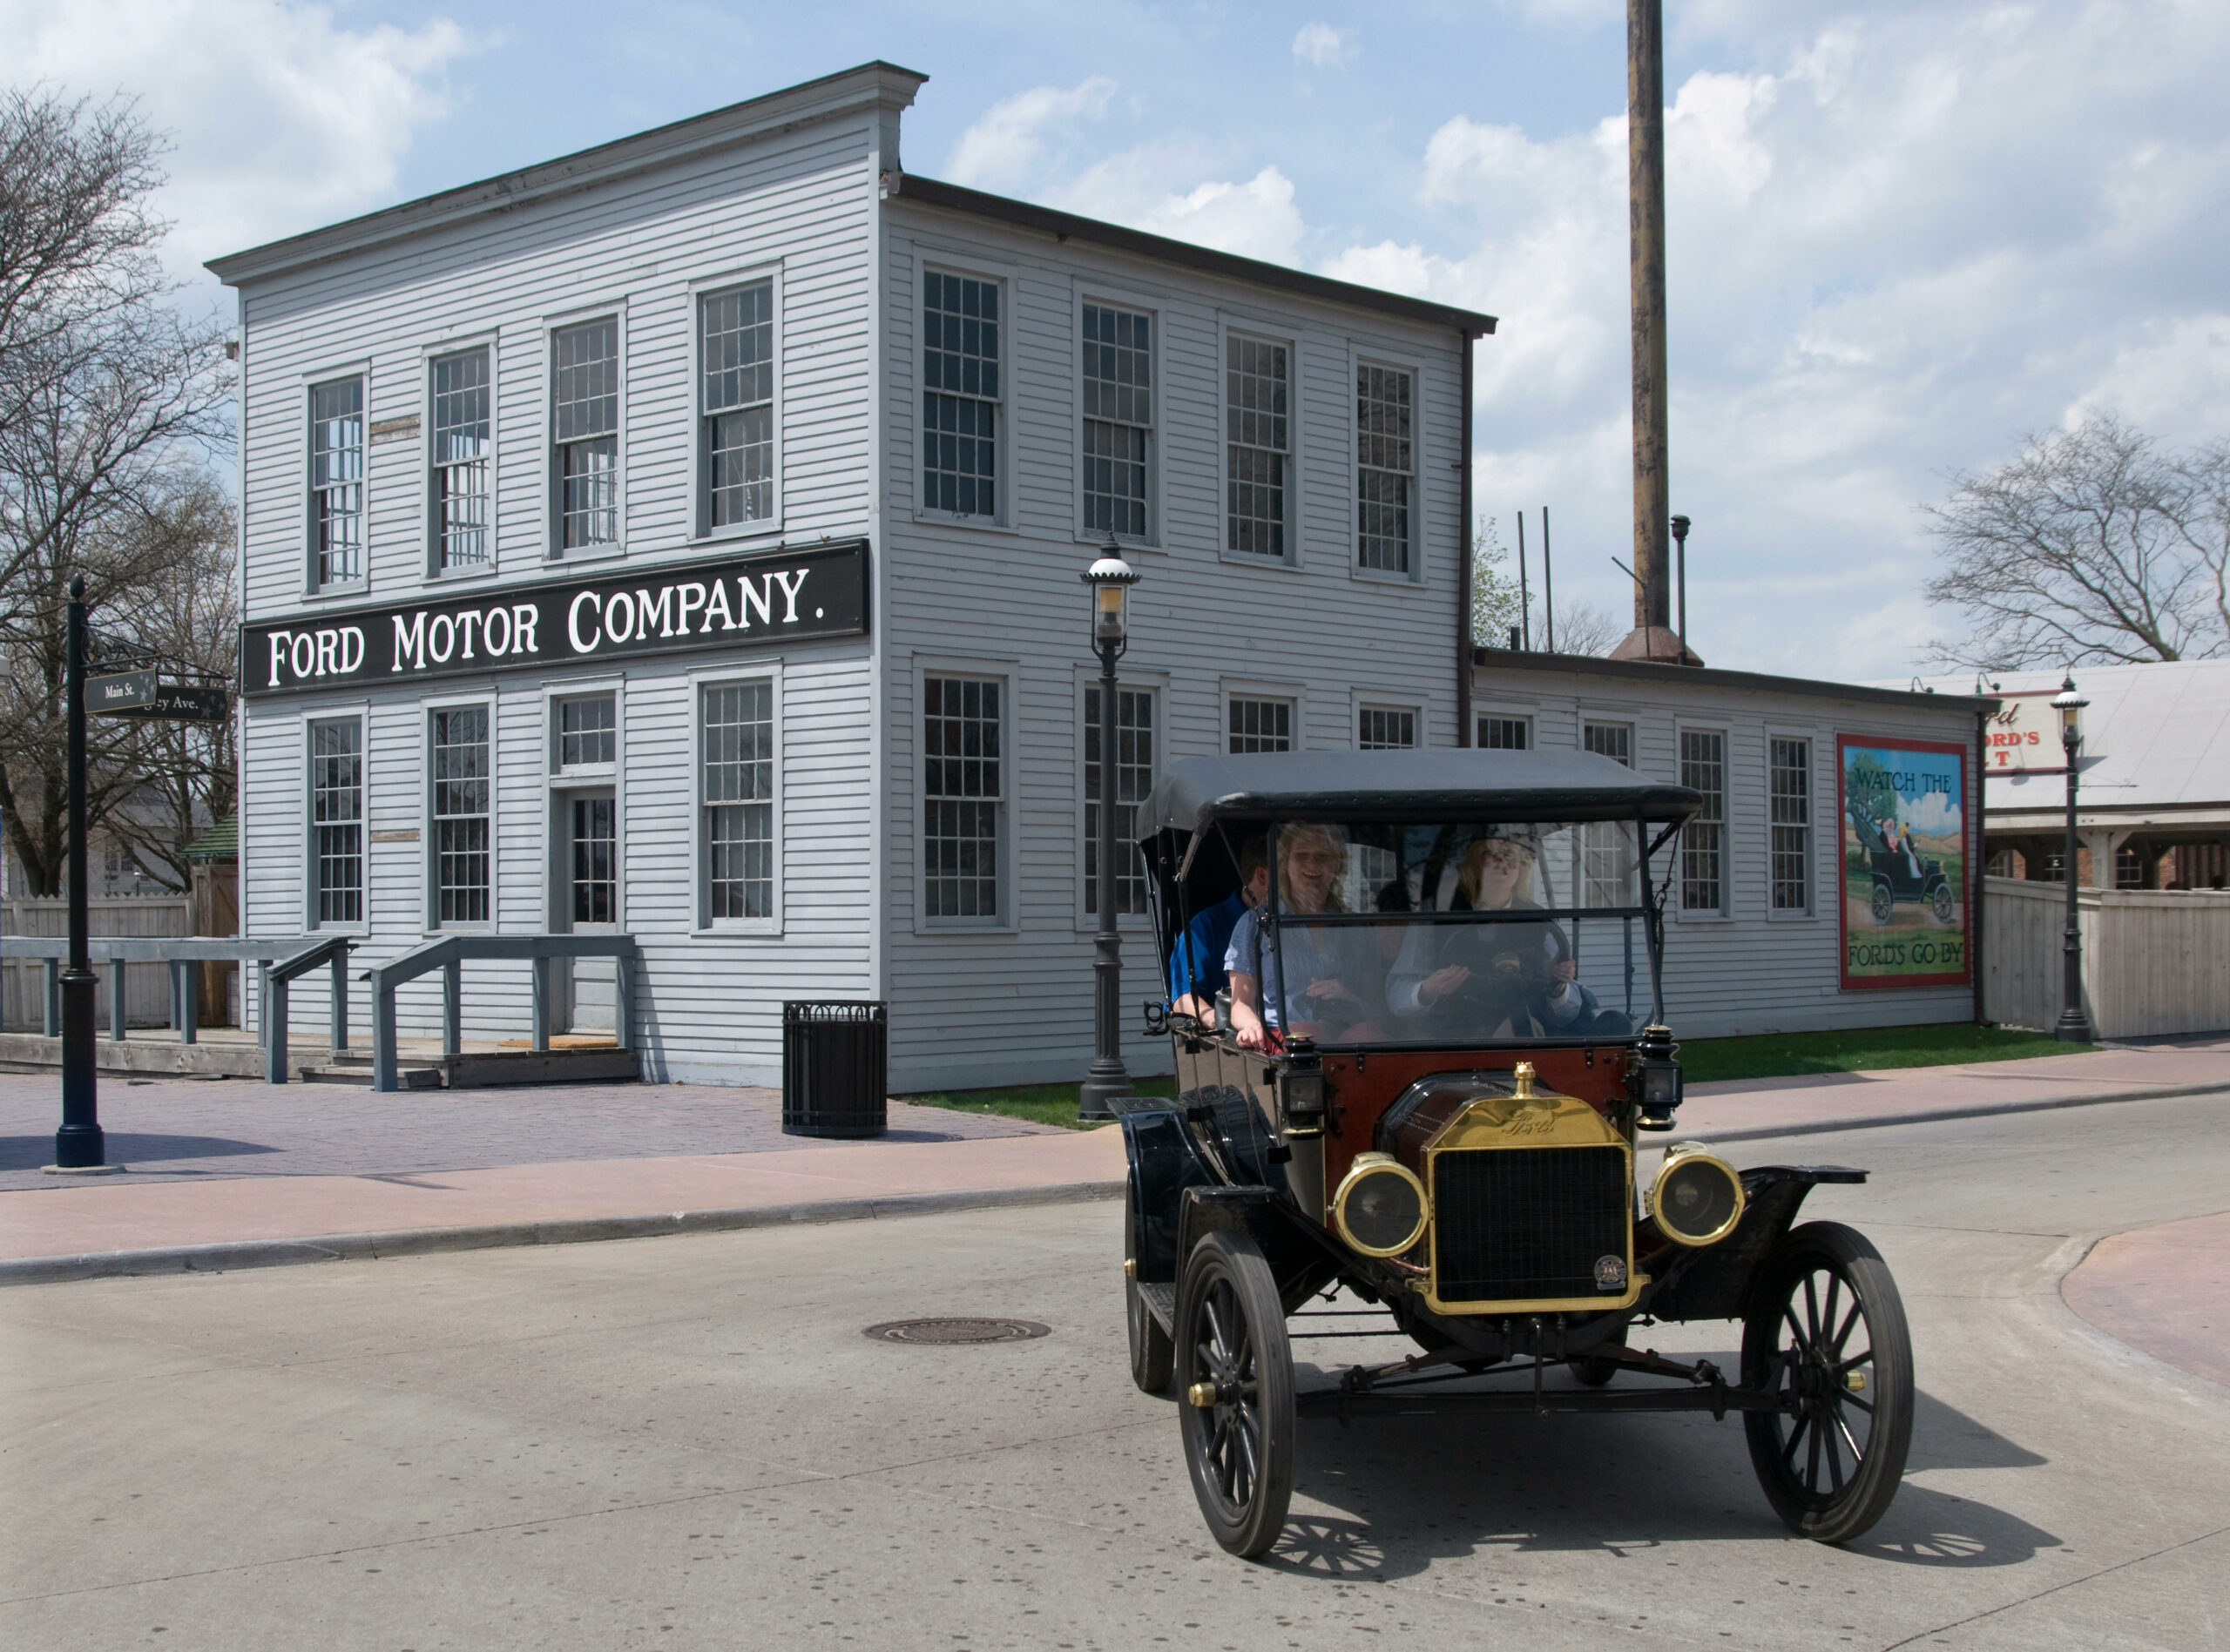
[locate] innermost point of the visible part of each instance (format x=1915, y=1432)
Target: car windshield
x=1450, y=934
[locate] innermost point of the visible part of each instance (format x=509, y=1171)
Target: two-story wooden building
x=683, y=538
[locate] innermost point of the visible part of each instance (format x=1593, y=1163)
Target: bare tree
x=111, y=405
x=1582, y=628
x=2091, y=546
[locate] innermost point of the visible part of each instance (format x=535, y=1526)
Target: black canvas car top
x=1439, y=783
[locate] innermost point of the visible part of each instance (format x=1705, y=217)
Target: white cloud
x=1255, y=218
x=1934, y=814
x=1004, y=149
x=281, y=118
x=1323, y=46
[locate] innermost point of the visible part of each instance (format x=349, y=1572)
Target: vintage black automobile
x=1421, y=1090
x=1899, y=873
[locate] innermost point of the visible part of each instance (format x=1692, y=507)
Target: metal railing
x=331, y=953
x=448, y=953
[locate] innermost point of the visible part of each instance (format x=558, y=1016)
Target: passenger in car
x=1335, y=969
x=1196, y=966
x=1490, y=973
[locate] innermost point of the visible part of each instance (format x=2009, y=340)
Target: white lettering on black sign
x=821, y=592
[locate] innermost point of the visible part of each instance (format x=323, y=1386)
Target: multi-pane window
x=960, y=394
x=1385, y=729
x=1133, y=779
x=461, y=799
x=592, y=879
x=1605, y=846
x=1789, y=795
x=460, y=452
x=1257, y=446
x=1504, y=734
x=1703, y=842
x=587, y=731
x=962, y=775
x=2129, y=868
x=736, y=360
x=739, y=799
x=585, y=426
x=1385, y=467
x=337, y=481
x=337, y=819
x=1261, y=726
x=1613, y=740
x=1118, y=418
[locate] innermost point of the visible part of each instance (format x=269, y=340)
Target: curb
x=1980, y=1109
x=336, y=1247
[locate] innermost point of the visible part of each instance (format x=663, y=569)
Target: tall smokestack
x=1652, y=636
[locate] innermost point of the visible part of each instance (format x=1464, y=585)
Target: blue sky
x=1900, y=234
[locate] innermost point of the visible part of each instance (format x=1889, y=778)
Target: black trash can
x=836, y=1069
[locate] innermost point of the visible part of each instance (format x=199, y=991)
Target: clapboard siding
x=1015, y=1005
x=1754, y=970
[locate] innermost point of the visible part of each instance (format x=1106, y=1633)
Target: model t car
x=1899, y=871
x=1424, y=1088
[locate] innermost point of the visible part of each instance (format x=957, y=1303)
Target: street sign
x=121, y=692
x=183, y=703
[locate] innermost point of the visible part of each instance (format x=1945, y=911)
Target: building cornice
x=1664, y=674
x=1066, y=226
x=871, y=87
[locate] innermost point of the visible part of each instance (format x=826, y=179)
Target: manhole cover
x=947, y=1331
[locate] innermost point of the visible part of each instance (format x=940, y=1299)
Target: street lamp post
x=78, y=1145
x=2074, y=1027
x=1110, y=579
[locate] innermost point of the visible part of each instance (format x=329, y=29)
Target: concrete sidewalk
x=522, y=1189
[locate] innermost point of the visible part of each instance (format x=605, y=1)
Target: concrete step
x=409, y=1075
x=478, y=1070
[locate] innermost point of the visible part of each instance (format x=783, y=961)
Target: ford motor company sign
x=661, y=608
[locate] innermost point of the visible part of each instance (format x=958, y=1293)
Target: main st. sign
x=661, y=609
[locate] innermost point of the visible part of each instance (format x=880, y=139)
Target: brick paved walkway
x=200, y=1129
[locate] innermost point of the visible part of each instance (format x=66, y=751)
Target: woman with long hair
x=1329, y=965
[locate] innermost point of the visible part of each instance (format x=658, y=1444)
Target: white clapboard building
x=682, y=538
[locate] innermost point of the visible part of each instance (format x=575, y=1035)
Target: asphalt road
x=686, y=1443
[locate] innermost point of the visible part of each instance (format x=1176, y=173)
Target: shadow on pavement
x=1408, y=1492
x=29, y=1152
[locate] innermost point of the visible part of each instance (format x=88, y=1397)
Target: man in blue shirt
x=1196, y=966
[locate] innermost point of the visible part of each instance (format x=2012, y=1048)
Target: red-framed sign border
x=1965, y=974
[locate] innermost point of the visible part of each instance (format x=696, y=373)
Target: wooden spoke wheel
x=1883, y=905
x=1152, y=1354
x=1941, y=903
x=1235, y=1392
x=1825, y=1333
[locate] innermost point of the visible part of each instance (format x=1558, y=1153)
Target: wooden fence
x=2154, y=960
x=147, y=987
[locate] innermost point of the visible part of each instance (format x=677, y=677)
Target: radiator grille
x=1513, y=1225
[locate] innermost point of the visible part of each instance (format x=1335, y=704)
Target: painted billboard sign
x=1902, y=806
x=2023, y=737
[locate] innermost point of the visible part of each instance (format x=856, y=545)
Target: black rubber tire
x=1941, y=904
x=1590, y=1371
x=1152, y=1354
x=1824, y=1289
x=1231, y=1335
x=1883, y=904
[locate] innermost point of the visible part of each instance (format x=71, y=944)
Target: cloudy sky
x=1900, y=234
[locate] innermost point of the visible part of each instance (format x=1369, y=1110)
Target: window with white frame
x=462, y=801
x=963, y=774
x=1118, y=419
x=1385, y=468
x=337, y=482
x=588, y=730
x=337, y=820
x=1703, y=840
x=1384, y=728
x=584, y=432
x=1789, y=795
x=1603, y=845
x=1258, y=445
x=737, y=798
x=960, y=394
x=460, y=450
x=736, y=363
x=1134, y=744
x=1260, y=724
x=1505, y=733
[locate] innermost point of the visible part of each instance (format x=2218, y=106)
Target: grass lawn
x=1774, y=1056
x=1783, y=1054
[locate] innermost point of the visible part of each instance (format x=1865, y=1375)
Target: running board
x=1161, y=1303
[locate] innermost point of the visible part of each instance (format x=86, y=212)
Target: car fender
x=1163, y=1161
x=1301, y=1255
x=1714, y=1281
